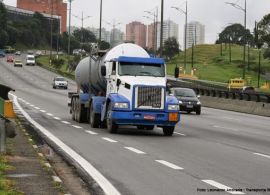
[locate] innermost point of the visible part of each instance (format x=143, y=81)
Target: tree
x=84, y=36
x=235, y=34
x=264, y=29
x=3, y=38
x=171, y=48
x=104, y=45
x=3, y=17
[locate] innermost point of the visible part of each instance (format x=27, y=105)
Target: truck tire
x=111, y=126
x=198, y=111
x=94, y=119
x=168, y=130
x=73, y=109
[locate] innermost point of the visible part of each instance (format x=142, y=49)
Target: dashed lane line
x=65, y=122
x=263, y=155
x=49, y=114
x=168, y=164
x=43, y=111
x=56, y=118
x=91, y=132
x=180, y=134
x=77, y=127
x=220, y=127
x=109, y=139
x=222, y=187
x=135, y=150
x=37, y=108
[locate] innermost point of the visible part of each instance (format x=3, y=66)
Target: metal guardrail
x=221, y=92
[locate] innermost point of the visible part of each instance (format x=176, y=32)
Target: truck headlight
x=180, y=102
x=120, y=105
x=198, y=103
x=173, y=107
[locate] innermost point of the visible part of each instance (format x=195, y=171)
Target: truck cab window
x=114, y=68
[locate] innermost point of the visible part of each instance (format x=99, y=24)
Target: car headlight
x=198, y=103
x=120, y=105
x=180, y=102
x=173, y=107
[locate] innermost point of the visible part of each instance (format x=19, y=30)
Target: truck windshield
x=135, y=69
x=31, y=58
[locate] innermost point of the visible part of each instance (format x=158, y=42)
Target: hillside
x=210, y=65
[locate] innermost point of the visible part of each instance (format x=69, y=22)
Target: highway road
x=215, y=151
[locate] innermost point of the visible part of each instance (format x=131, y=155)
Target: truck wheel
x=168, y=130
x=111, y=126
x=73, y=108
x=94, y=118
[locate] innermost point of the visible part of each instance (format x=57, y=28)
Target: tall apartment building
x=105, y=35
x=170, y=29
x=117, y=37
x=136, y=32
x=195, y=33
x=151, y=36
x=54, y=7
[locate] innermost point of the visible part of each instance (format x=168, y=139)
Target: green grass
x=212, y=66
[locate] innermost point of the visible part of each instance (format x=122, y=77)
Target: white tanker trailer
x=124, y=87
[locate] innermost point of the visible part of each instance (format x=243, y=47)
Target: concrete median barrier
x=257, y=108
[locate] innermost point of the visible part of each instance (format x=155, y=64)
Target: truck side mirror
x=103, y=70
x=176, y=72
x=118, y=82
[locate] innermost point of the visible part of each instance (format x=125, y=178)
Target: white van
x=30, y=60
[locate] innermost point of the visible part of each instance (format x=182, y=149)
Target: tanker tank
x=96, y=82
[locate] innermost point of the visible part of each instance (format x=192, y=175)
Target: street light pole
x=161, y=28
x=186, y=17
x=69, y=32
x=113, y=30
x=82, y=20
x=51, y=24
x=245, y=34
x=100, y=24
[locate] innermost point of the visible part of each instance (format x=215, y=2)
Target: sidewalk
x=36, y=166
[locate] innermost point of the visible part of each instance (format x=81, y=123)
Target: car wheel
x=111, y=126
x=168, y=130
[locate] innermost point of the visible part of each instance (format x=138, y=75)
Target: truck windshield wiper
x=149, y=73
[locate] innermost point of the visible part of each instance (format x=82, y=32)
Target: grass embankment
x=44, y=61
x=210, y=65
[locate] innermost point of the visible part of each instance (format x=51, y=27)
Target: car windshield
x=18, y=61
x=185, y=93
x=136, y=69
x=59, y=79
x=30, y=58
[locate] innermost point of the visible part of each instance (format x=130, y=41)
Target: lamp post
x=100, y=24
x=161, y=28
x=186, y=14
x=155, y=15
x=82, y=18
x=69, y=23
x=51, y=32
x=245, y=24
x=113, y=30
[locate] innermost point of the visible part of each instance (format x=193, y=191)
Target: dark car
x=248, y=89
x=188, y=100
x=2, y=53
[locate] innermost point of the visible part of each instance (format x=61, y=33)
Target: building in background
x=51, y=7
x=195, y=33
x=136, y=33
x=117, y=37
x=170, y=29
x=105, y=35
x=151, y=36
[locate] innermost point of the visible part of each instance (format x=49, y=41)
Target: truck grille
x=149, y=98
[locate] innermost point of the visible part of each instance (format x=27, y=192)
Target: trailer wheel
x=73, y=108
x=168, y=130
x=94, y=119
x=111, y=126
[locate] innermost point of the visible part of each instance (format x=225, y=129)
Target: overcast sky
x=214, y=14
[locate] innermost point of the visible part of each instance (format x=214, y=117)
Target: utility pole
x=161, y=28
x=69, y=32
x=185, y=43
x=82, y=20
x=100, y=24
x=51, y=24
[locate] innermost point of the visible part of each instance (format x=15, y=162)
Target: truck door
x=111, y=87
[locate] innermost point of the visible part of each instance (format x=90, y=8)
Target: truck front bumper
x=145, y=118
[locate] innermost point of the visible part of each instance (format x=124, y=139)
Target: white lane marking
x=222, y=187
x=135, y=150
x=77, y=127
x=180, y=134
x=229, y=118
x=27, y=103
x=220, y=127
x=168, y=164
x=107, y=187
x=109, y=139
x=65, y=122
x=32, y=105
x=263, y=155
x=49, y=114
x=37, y=108
x=56, y=118
x=43, y=111
x=91, y=132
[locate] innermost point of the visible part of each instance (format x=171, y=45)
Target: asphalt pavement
x=208, y=153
